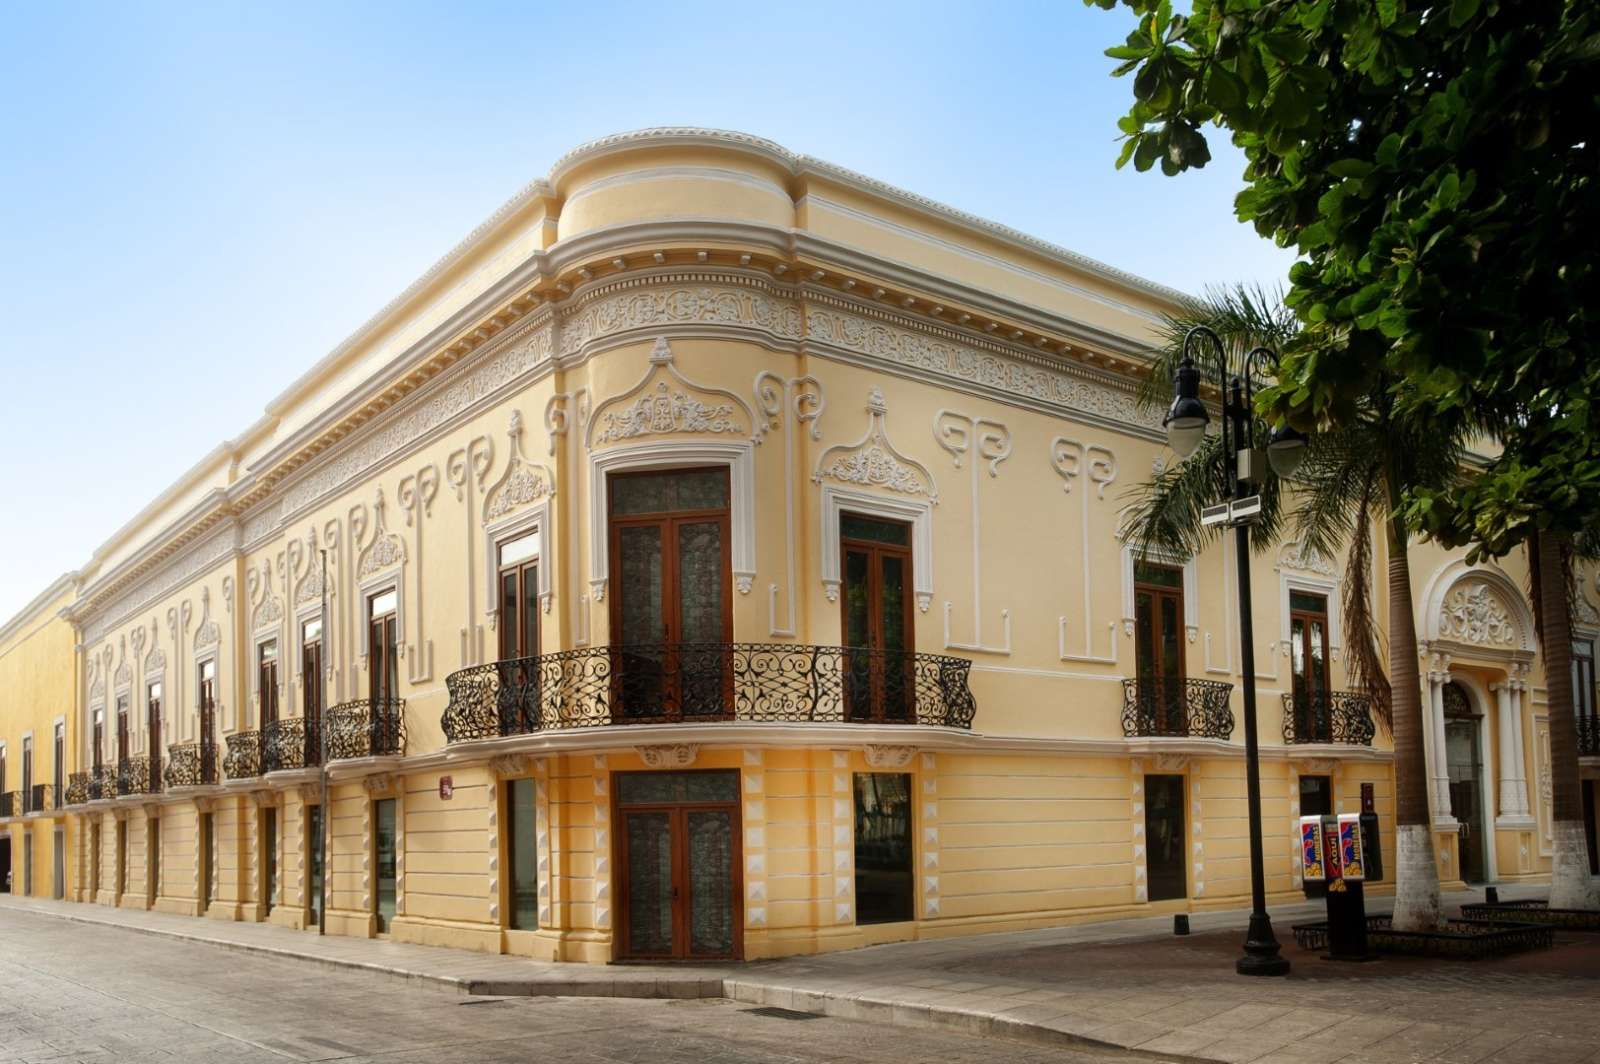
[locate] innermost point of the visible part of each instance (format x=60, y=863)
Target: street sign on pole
x=1232, y=514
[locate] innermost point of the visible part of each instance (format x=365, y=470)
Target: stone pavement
x=103, y=995
x=1128, y=984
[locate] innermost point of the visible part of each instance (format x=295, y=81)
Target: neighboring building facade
x=716, y=556
x=38, y=707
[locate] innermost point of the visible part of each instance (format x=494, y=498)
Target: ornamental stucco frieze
x=784, y=316
x=678, y=305
x=502, y=366
x=1474, y=614
x=167, y=578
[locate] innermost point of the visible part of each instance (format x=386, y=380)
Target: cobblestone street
x=71, y=992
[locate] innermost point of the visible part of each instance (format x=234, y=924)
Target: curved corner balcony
x=103, y=783
x=1175, y=707
x=1335, y=717
x=191, y=765
x=368, y=727
x=243, y=759
x=290, y=743
x=672, y=683
x=78, y=788
x=138, y=775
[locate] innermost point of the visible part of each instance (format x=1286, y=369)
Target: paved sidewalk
x=1127, y=984
x=462, y=971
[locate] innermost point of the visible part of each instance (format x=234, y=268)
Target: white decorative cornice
x=180, y=569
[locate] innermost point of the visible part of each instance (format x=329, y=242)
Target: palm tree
x=1551, y=577
x=1351, y=483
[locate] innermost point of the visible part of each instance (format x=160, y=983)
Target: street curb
x=906, y=1014
x=578, y=985
x=613, y=983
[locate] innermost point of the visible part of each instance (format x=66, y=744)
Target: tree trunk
x=1416, y=894
x=1571, y=886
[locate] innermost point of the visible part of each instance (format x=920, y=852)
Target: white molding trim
x=199, y=662
x=1068, y=457
x=1157, y=556
x=919, y=512
x=1455, y=573
x=775, y=397
x=739, y=457
x=366, y=591
x=534, y=519
x=990, y=443
x=703, y=420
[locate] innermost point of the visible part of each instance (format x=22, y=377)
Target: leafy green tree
x=1434, y=163
x=1348, y=486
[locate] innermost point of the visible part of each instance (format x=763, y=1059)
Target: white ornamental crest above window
x=1474, y=614
x=874, y=462
x=385, y=551
x=665, y=402
x=522, y=482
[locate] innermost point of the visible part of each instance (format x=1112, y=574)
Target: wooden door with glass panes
x=672, y=609
x=877, y=618
x=1158, y=649
x=267, y=681
x=517, y=624
x=678, y=855
x=1308, y=659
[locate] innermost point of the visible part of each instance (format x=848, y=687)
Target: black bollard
x=1491, y=895
x=1180, y=924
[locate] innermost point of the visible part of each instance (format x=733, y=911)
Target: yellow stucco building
x=716, y=555
x=38, y=704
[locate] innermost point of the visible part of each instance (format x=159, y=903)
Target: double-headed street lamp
x=1242, y=469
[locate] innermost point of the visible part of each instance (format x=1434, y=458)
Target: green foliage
x=1435, y=166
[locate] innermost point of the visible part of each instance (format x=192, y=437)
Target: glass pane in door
x=711, y=910
x=1174, y=712
x=642, y=627
x=700, y=605
x=383, y=828
x=649, y=842
x=857, y=635
x=314, y=841
x=896, y=666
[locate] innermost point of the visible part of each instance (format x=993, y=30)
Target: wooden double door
x=679, y=866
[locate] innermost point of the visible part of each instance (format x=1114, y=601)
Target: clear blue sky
x=198, y=201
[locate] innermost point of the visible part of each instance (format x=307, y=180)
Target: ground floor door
x=679, y=855
x=58, y=888
x=383, y=826
x=5, y=864
x=1464, y=761
x=1164, y=837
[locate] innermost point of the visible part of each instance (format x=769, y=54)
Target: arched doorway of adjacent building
x=1463, y=743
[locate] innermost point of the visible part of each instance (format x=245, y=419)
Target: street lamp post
x=1186, y=425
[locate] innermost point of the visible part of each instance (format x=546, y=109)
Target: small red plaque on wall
x=447, y=788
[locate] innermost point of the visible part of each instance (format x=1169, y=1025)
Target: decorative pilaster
x=930, y=846
x=1141, y=881
x=755, y=851
x=602, y=844
x=844, y=856
x=1519, y=763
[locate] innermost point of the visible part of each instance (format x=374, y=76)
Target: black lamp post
x=1186, y=425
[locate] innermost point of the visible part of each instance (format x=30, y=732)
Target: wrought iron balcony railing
x=139, y=775
x=10, y=803
x=78, y=788
x=41, y=798
x=1588, y=734
x=1327, y=717
x=103, y=784
x=1176, y=707
x=191, y=764
x=290, y=744
x=688, y=682
x=243, y=759
x=370, y=727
